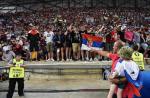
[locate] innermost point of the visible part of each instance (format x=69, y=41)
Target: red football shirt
x=114, y=58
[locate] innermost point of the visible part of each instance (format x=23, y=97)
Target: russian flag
x=141, y=86
x=91, y=41
x=135, y=85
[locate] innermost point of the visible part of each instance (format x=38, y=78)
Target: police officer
x=16, y=74
x=138, y=57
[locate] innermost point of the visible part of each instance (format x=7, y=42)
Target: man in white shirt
x=49, y=34
x=8, y=55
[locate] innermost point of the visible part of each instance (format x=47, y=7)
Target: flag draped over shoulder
x=140, y=87
x=93, y=41
x=135, y=85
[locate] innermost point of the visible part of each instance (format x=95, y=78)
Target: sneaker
x=48, y=60
x=22, y=95
x=91, y=59
x=95, y=59
x=62, y=60
x=87, y=59
x=67, y=60
x=82, y=59
x=52, y=60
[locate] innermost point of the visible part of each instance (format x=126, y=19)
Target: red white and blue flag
x=91, y=41
x=141, y=86
x=139, y=81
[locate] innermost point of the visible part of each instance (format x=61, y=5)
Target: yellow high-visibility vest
x=138, y=59
x=16, y=71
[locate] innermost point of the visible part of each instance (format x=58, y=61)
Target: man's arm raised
x=101, y=52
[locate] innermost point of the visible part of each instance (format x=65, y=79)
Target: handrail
x=62, y=66
x=65, y=65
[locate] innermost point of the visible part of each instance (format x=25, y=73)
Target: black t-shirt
x=82, y=32
x=33, y=38
x=68, y=37
x=76, y=37
x=122, y=35
x=59, y=38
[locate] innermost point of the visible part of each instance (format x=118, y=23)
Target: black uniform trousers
x=12, y=84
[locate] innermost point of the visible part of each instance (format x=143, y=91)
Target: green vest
x=138, y=59
x=18, y=63
x=17, y=71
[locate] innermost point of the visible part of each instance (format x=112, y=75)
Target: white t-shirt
x=49, y=36
x=130, y=67
x=119, y=69
x=5, y=48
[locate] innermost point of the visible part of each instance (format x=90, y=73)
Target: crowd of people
x=56, y=34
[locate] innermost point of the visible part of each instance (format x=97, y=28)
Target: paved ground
x=62, y=86
x=61, y=95
x=65, y=86
x=44, y=83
